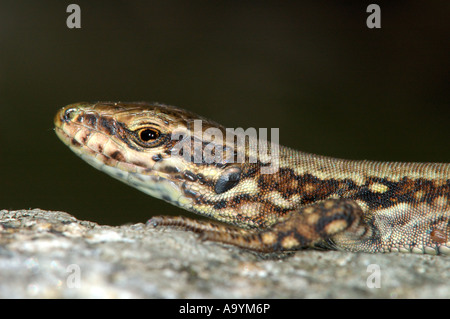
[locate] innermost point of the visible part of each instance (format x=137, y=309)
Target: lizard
x=308, y=201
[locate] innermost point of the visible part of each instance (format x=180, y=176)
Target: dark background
x=311, y=68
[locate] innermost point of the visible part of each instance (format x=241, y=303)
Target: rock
x=45, y=254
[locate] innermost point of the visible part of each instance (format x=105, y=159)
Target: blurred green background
x=311, y=68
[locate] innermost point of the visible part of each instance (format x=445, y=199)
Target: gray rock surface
x=46, y=254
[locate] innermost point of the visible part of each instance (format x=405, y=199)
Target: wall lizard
x=309, y=201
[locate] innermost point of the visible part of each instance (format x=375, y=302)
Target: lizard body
x=308, y=201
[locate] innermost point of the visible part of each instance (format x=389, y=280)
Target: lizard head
x=164, y=151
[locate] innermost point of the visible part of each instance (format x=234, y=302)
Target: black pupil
x=147, y=135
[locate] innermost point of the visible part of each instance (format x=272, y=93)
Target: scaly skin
x=309, y=201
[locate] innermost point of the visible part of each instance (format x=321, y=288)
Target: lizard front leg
x=334, y=222
x=196, y=226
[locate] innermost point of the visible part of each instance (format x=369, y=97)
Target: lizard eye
x=148, y=134
x=148, y=137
